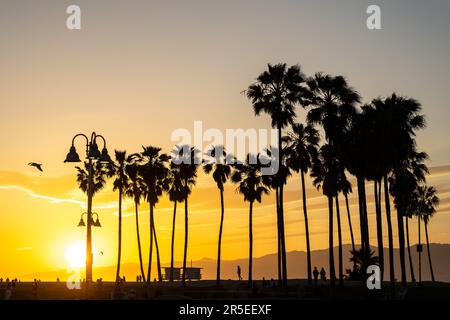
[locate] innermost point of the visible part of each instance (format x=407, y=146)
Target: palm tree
x=176, y=194
x=427, y=202
x=136, y=192
x=121, y=183
x=100, y=172
x=324, y=174
x=403, y=181
x=187, y=159
x=333, y=106
x=250, y=184
x=153, y=170
x=302, y=144
x=276, y=92
x=221, y=170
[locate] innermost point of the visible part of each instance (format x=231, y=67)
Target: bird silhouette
x=101, y=252
x=36, y=165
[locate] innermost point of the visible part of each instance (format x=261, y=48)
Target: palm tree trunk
x=120, y=237
x=420, y=251
x=277, y=198
x=220, y=237
x=282, y=234
x=401, y=242
x=330, y=244
x=379, y=228
x=350, y=222
x=283, y=240
x=338, y=216
x=364, y=222
x=411, y=268
x=429, y=252
x=250, y=243
x=185, y=239
x=361, y=214
x=141, y=265
x=390, y=235
x=172, y=246
x=305, y=213
x=158, y=260
x=149, y=270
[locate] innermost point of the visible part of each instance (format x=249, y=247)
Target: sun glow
x=75, y=254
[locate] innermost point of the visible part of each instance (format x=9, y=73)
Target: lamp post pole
x=92, y=153
x=89, y=257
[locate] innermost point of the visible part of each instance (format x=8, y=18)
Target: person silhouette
x=323, y=274
x=239, y=273
x=316, y=275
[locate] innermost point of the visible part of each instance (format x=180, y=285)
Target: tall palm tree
x=251, y=185
x=403, y=181
x=187, y=159
x=136, y=192
x=176, y=194
x=302, y=143
x=121, y=183
x=221, y=171
x=153, y=170
x=325, y=176
x=333, y=106
x=427, y=203
x=276, y=92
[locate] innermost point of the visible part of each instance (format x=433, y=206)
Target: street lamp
x=92, y=154
x=95, y=223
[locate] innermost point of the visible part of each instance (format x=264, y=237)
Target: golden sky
x=140, y=69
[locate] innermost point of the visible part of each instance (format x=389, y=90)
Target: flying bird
x=36, y=165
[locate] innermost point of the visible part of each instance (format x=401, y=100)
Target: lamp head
x=72, y=156
x=81, y=223
x=105, y=158
x=93, y=151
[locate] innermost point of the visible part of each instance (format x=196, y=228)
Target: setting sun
x=75, y=254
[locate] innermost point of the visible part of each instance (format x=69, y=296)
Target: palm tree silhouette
x=176, y=194
x=324, y=174
x=276, y=92
x=221, y=171
x=121, y=183
x=187, y=159
x=333, y=106
x=427, y=203
x=136, y=192
x=403, y=181
x=153, y=170
x=100, y=172
x=302, y=143
x=251, y=185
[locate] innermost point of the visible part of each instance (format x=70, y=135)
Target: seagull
x=36, y=165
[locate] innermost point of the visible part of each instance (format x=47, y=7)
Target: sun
x=75, y=254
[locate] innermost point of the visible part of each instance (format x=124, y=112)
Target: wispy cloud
x=24, y=249
x=56, y=200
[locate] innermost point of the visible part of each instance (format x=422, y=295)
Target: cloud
x=56, y=200
x=24, y=249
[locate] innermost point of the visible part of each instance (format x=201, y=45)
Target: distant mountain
x=266, y=266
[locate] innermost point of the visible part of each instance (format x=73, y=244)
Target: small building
x=192, y=273
x=176, y=273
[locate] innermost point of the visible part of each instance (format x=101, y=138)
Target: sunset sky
x=137, y=70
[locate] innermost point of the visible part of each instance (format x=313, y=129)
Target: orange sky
x=135, y=72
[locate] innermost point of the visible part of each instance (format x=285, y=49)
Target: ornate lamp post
x=92, y=154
